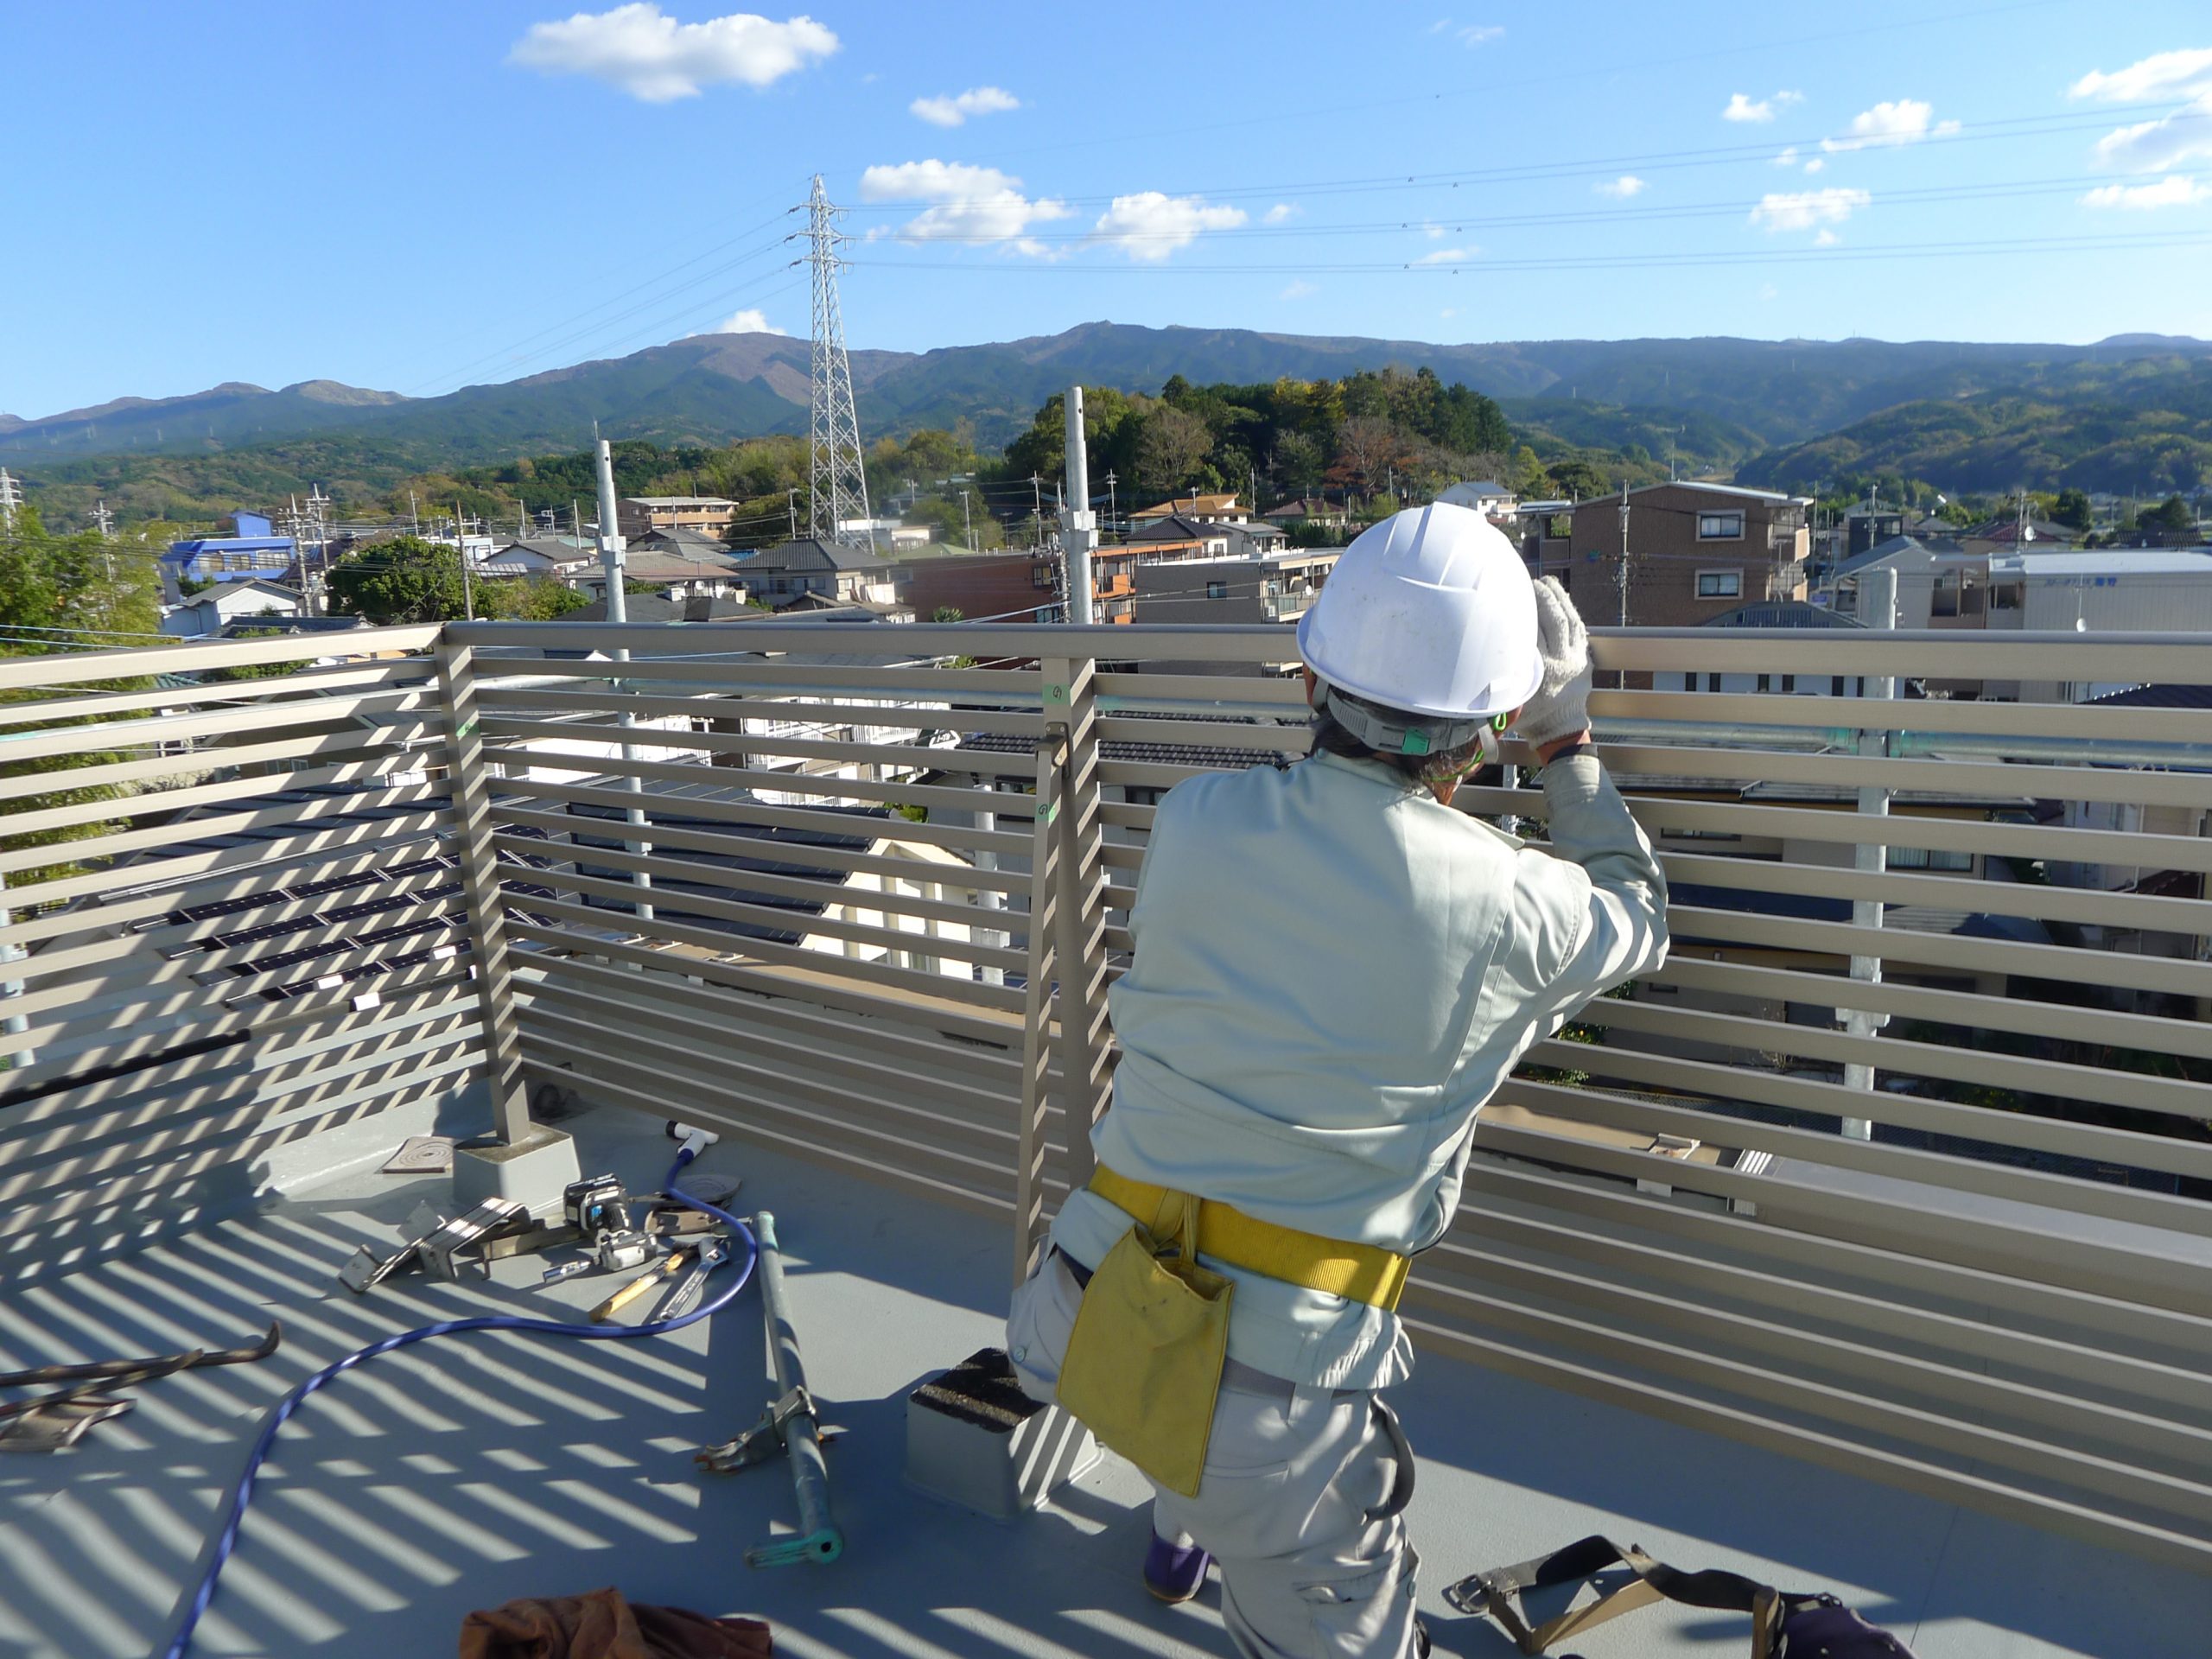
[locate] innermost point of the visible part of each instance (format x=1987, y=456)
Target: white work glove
x=1560, y=706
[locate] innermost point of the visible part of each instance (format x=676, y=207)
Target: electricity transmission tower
x=838, y=480
x=11, y=497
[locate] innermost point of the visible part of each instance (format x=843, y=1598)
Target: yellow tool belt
x=1359, y=1272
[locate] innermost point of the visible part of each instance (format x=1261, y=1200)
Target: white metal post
x=1878, y=608
x=1079, y=522
x=611, y=547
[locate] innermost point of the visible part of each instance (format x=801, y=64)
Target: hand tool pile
x=678, y=1246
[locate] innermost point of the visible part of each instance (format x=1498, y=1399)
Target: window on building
x=1922, y=858
x=1720, y=526
x=1944, y=600
x=2005, y=596
x=1217, y=590
x=1719, y=584
x=1835, y=685
x=1712, y=682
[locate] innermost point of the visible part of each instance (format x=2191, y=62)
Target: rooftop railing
x=1899, y=1170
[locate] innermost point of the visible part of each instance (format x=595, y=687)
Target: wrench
x=690, y=1289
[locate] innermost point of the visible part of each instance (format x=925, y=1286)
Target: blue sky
x=417, y=195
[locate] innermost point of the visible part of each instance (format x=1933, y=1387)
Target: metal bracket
x=434, y=1251
x=765, y=1439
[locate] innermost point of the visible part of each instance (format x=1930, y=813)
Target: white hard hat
x=1431, y=612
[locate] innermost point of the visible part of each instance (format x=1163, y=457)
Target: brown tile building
x=1693, y=552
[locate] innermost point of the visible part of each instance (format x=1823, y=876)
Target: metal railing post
x=1878, y=609
x=480, y=877
x=1037, y=1009
x=1079, y=911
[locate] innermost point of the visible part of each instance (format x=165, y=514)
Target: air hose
x=242, y=1494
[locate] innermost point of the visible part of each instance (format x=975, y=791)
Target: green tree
x=2173, y=513
x=1170, y=446
x=2071, y=508
x=1576, y=479
x=404, y=579
x=255, y=670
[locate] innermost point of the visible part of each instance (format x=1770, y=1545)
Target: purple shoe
x=1174, y=1573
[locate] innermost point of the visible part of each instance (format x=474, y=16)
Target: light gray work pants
x=1300, y=1505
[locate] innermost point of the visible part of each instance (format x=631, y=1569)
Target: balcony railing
x=1289, y=606
x=1944, y=1222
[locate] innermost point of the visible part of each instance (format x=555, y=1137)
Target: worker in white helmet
x=1333, y=971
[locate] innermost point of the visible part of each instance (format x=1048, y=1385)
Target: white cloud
x=1448, y=312
x=1299, y=290
x=1447, y=257
x=1783, y=100
x=1741, y=108
x=640, y=50
x=1150, y=225
x=1433, y=231
x=1280, y=211
x=953, y=111
x=2161, y=75
x=1769, y=291
x=1801, y=210
x=1816, y=164
x=1623, y=187
x=2153, y=146
x=751, y=320
x=1900, y=121
x=966, y=204
x=2175, y=190
x=1481, y=33
x=1788, y=158
x=1826, y=240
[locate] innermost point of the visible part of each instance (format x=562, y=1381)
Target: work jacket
x=1332, y=973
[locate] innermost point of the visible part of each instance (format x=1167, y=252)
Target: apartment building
x=1691, y=551
x=1219, y=591
x=638, y=515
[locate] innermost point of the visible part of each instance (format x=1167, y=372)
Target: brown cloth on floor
x=602, y=1625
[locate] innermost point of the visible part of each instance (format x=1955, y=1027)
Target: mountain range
x=1767, y=404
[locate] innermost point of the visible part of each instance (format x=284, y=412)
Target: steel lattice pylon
x=838, y=495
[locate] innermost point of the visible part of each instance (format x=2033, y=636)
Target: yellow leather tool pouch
x=1144, y=1361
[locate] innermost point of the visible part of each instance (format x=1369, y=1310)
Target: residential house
x=2008, y=535
x=1547, y=533
x=1223, y=507
x=680, y=575
x=2150, y=590
x=983, y=587
x=1235, y=588
x=1866, y=527
x=1771, y=614
x=253, y=551
x=1486, y=495
x=688, y=543
x=1939, y=584
x=207, y=615
x=1310, y=510
x=637, y=515
x=835, y=571
x=556, y=557
x=1693, y=550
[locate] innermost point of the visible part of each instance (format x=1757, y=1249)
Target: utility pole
x=460, y=548
x=1620, y=575
x=1036, y=511
x=1079, y=524
x=611, y=547
x=790, y=507
x=1113, y=506
x=415, y=512
x=967, y=522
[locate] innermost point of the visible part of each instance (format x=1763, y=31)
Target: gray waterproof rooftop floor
x=468, y=1470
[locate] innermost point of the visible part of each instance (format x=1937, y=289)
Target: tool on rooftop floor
x=791, y=1425
x=59, y=1418
x=242, y=1494
x=596, y=1204
x=659, y=1273
x=689, y=1290
x=434, y=1251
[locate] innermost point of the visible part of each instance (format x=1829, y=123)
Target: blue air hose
x=242, y=1494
